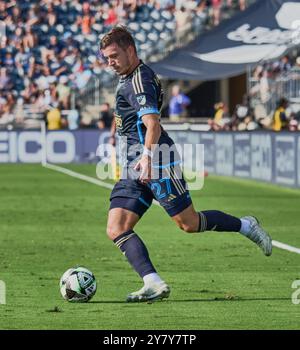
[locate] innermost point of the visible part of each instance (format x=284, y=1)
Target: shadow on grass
x=229, y=299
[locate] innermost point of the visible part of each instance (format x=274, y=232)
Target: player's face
x=117, y=58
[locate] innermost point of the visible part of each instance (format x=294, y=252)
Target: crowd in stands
x=246, y=118
x=266, y=75
x=50, y=47
x=273, y=102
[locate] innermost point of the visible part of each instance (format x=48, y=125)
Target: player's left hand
x=144, y=167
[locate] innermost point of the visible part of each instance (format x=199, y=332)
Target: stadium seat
x=134, y=26
x=167, y=16
x=147, y=26
x=159, y=26
x=153, y=36
x=171, y=26
x=155, y=15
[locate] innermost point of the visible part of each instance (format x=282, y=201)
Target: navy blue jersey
x=138, y=94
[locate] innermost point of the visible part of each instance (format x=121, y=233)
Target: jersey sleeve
x=143, y=96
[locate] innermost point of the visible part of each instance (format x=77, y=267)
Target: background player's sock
x=215, y=220
x=136, y=252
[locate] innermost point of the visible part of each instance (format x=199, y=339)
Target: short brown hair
x=119, y=35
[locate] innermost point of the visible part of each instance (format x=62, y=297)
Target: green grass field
x=50, y=222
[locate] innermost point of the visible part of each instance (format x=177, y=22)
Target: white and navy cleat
x=259, y=236
x=155, y=291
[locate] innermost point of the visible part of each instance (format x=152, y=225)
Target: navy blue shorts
x=170, y=191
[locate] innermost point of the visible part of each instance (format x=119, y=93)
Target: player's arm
x=153, y=132
x=113, y=132
x=152, y=123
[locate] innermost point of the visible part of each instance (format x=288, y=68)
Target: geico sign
x=26, y=147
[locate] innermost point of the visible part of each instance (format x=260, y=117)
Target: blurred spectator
x=73, y=119
x=130, y=6
x=183, y=24
x=283, y=65
x=86, y=19
x=5, y=80
x=280, y=121
x=53, y=118
x=9, y=62
x=262, y=87
x=106, y=116
x=29, y=40
x=241, y=4
x=30, y=93
x=216, y=10
x=6, y=108
x=221, y=118
x=81, y=73
x=19, y=111
x=245, y=116
x=64, y=92
x=111, y=16
x=178, y=104
x=293, y=123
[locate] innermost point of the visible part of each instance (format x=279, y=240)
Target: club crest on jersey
x=141, y=99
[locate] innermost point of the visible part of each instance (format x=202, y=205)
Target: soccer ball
x=78, y=284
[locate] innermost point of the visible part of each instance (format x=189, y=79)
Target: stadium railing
x=284, y=85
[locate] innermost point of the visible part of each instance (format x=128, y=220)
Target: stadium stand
x=275, y=80
x=49, y=51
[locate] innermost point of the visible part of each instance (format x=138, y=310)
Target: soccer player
x=137, y=116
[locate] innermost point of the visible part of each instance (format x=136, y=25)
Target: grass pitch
x=50, y=222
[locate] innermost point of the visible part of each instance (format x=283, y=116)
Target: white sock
x=245, y=228
x=151, y=278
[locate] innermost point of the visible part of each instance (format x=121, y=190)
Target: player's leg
x=189, y=220
x=123, y=215
x=172, y=194
x=214, y=220
x=120, y=227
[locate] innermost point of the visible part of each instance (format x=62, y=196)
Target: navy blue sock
x=136, y=252
x=215, y=220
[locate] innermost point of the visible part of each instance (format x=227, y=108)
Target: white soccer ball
x=78, y=284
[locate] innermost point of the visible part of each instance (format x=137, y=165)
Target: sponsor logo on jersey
x=118, y=120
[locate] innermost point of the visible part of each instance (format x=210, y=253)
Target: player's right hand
x=144, y=167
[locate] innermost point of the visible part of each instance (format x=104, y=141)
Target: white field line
x=78, y=176
x=285, y=247
x=110, y=186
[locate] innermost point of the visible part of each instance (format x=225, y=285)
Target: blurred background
x=50, y=67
